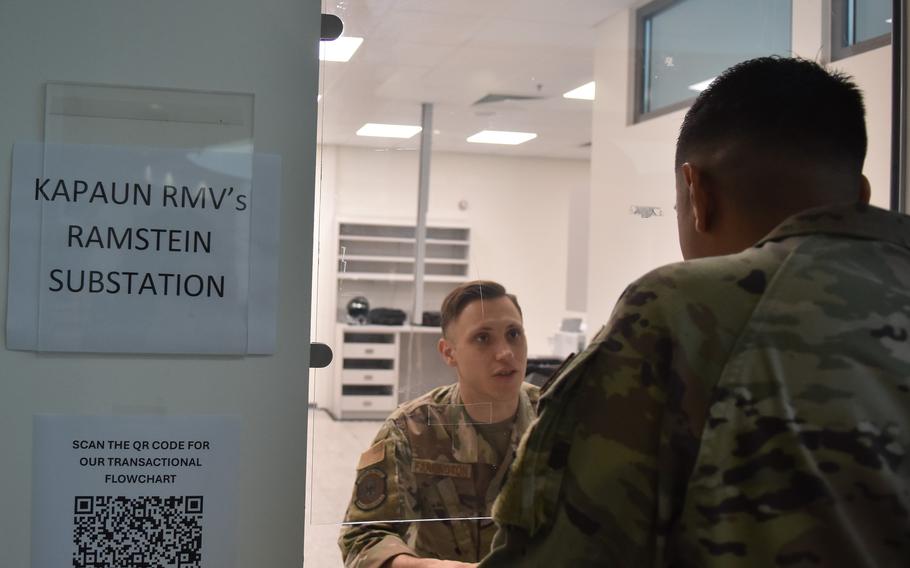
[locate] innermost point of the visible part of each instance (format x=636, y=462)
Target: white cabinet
x=377, y=367
x=366, y=372
x=372, y=372
x=361, y=377
x=369, y=350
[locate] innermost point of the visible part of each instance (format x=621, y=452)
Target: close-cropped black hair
x=789, y=106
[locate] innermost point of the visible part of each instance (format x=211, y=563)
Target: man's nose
x=504, y=352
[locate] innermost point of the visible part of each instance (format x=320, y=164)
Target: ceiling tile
x=393, y=52
x=427, y=27
x=577, y=12
x=469, y=7
x=516, y=34
x=452, y=53
x=359, y=16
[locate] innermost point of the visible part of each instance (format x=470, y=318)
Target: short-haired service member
x=445, y=455
x=750, y=406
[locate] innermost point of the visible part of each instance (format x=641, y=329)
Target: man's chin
x=504, y=387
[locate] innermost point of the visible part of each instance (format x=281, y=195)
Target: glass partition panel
x=550, y=174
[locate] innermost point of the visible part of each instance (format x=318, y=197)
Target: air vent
x=498, y=98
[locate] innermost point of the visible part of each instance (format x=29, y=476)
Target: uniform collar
x=467, y=444
x=858, y=221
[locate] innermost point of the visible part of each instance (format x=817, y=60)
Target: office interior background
x=577, y=204
x=553, y=131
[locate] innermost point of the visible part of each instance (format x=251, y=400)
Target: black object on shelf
x=387, y=316
x=358, y=310
x=431, y=319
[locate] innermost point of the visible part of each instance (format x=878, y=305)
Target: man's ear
x=865, y=190
x=700, y=199
x=447, y=351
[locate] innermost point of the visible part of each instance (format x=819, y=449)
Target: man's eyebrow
x=487, y=327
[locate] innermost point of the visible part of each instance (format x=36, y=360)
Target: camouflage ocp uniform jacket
x=746, y=410
x=428, y=461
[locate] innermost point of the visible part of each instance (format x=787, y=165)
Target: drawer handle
x=368, y=351
x=368, y=377
x=368, y=403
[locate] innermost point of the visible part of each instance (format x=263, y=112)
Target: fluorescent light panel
x=585, y=92
x=340, y=50
x=699, y=87
x=501, y=137
x=388, y=130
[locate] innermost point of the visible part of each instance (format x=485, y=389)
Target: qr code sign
x=139, y=532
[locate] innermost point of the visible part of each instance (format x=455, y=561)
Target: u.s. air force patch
x=371, y=489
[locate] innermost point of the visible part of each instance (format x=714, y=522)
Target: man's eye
x=514, y=333
x=481, y=338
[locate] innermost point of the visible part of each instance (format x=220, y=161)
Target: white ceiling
x=454, y=52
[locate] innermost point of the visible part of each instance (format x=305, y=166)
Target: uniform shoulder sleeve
x=384, y=491
x=603, y=471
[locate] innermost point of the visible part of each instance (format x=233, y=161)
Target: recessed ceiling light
x=388, y=130
x=340, y=50
x=585, y=92
x=501, y=137
x=699, y=87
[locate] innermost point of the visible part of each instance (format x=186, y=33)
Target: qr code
x=138, y=532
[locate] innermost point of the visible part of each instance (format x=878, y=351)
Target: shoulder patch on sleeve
x=374, y=455
x=371, y=489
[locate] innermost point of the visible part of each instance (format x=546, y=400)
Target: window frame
x=838, y=10
x=642, y=14
x=640, y=61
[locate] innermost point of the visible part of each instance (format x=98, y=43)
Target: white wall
x=578, y=249
x=872, y=72
x=633, y=164
x=518, y=213
x=266, y=48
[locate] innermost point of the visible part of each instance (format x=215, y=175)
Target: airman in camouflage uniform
x=738, y=410
x=429, y=461
x=425, y=488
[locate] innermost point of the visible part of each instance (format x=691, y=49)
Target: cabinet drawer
x=368, y=364
x=357, y=337
x=370, y=350
x=364, y=377
x=384, y=403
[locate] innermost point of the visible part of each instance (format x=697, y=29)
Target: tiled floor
x=332, y=452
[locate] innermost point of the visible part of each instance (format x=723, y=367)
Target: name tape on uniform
x=447, y=469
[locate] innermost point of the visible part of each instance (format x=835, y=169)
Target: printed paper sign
x=134, y=491
x=142, y=250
